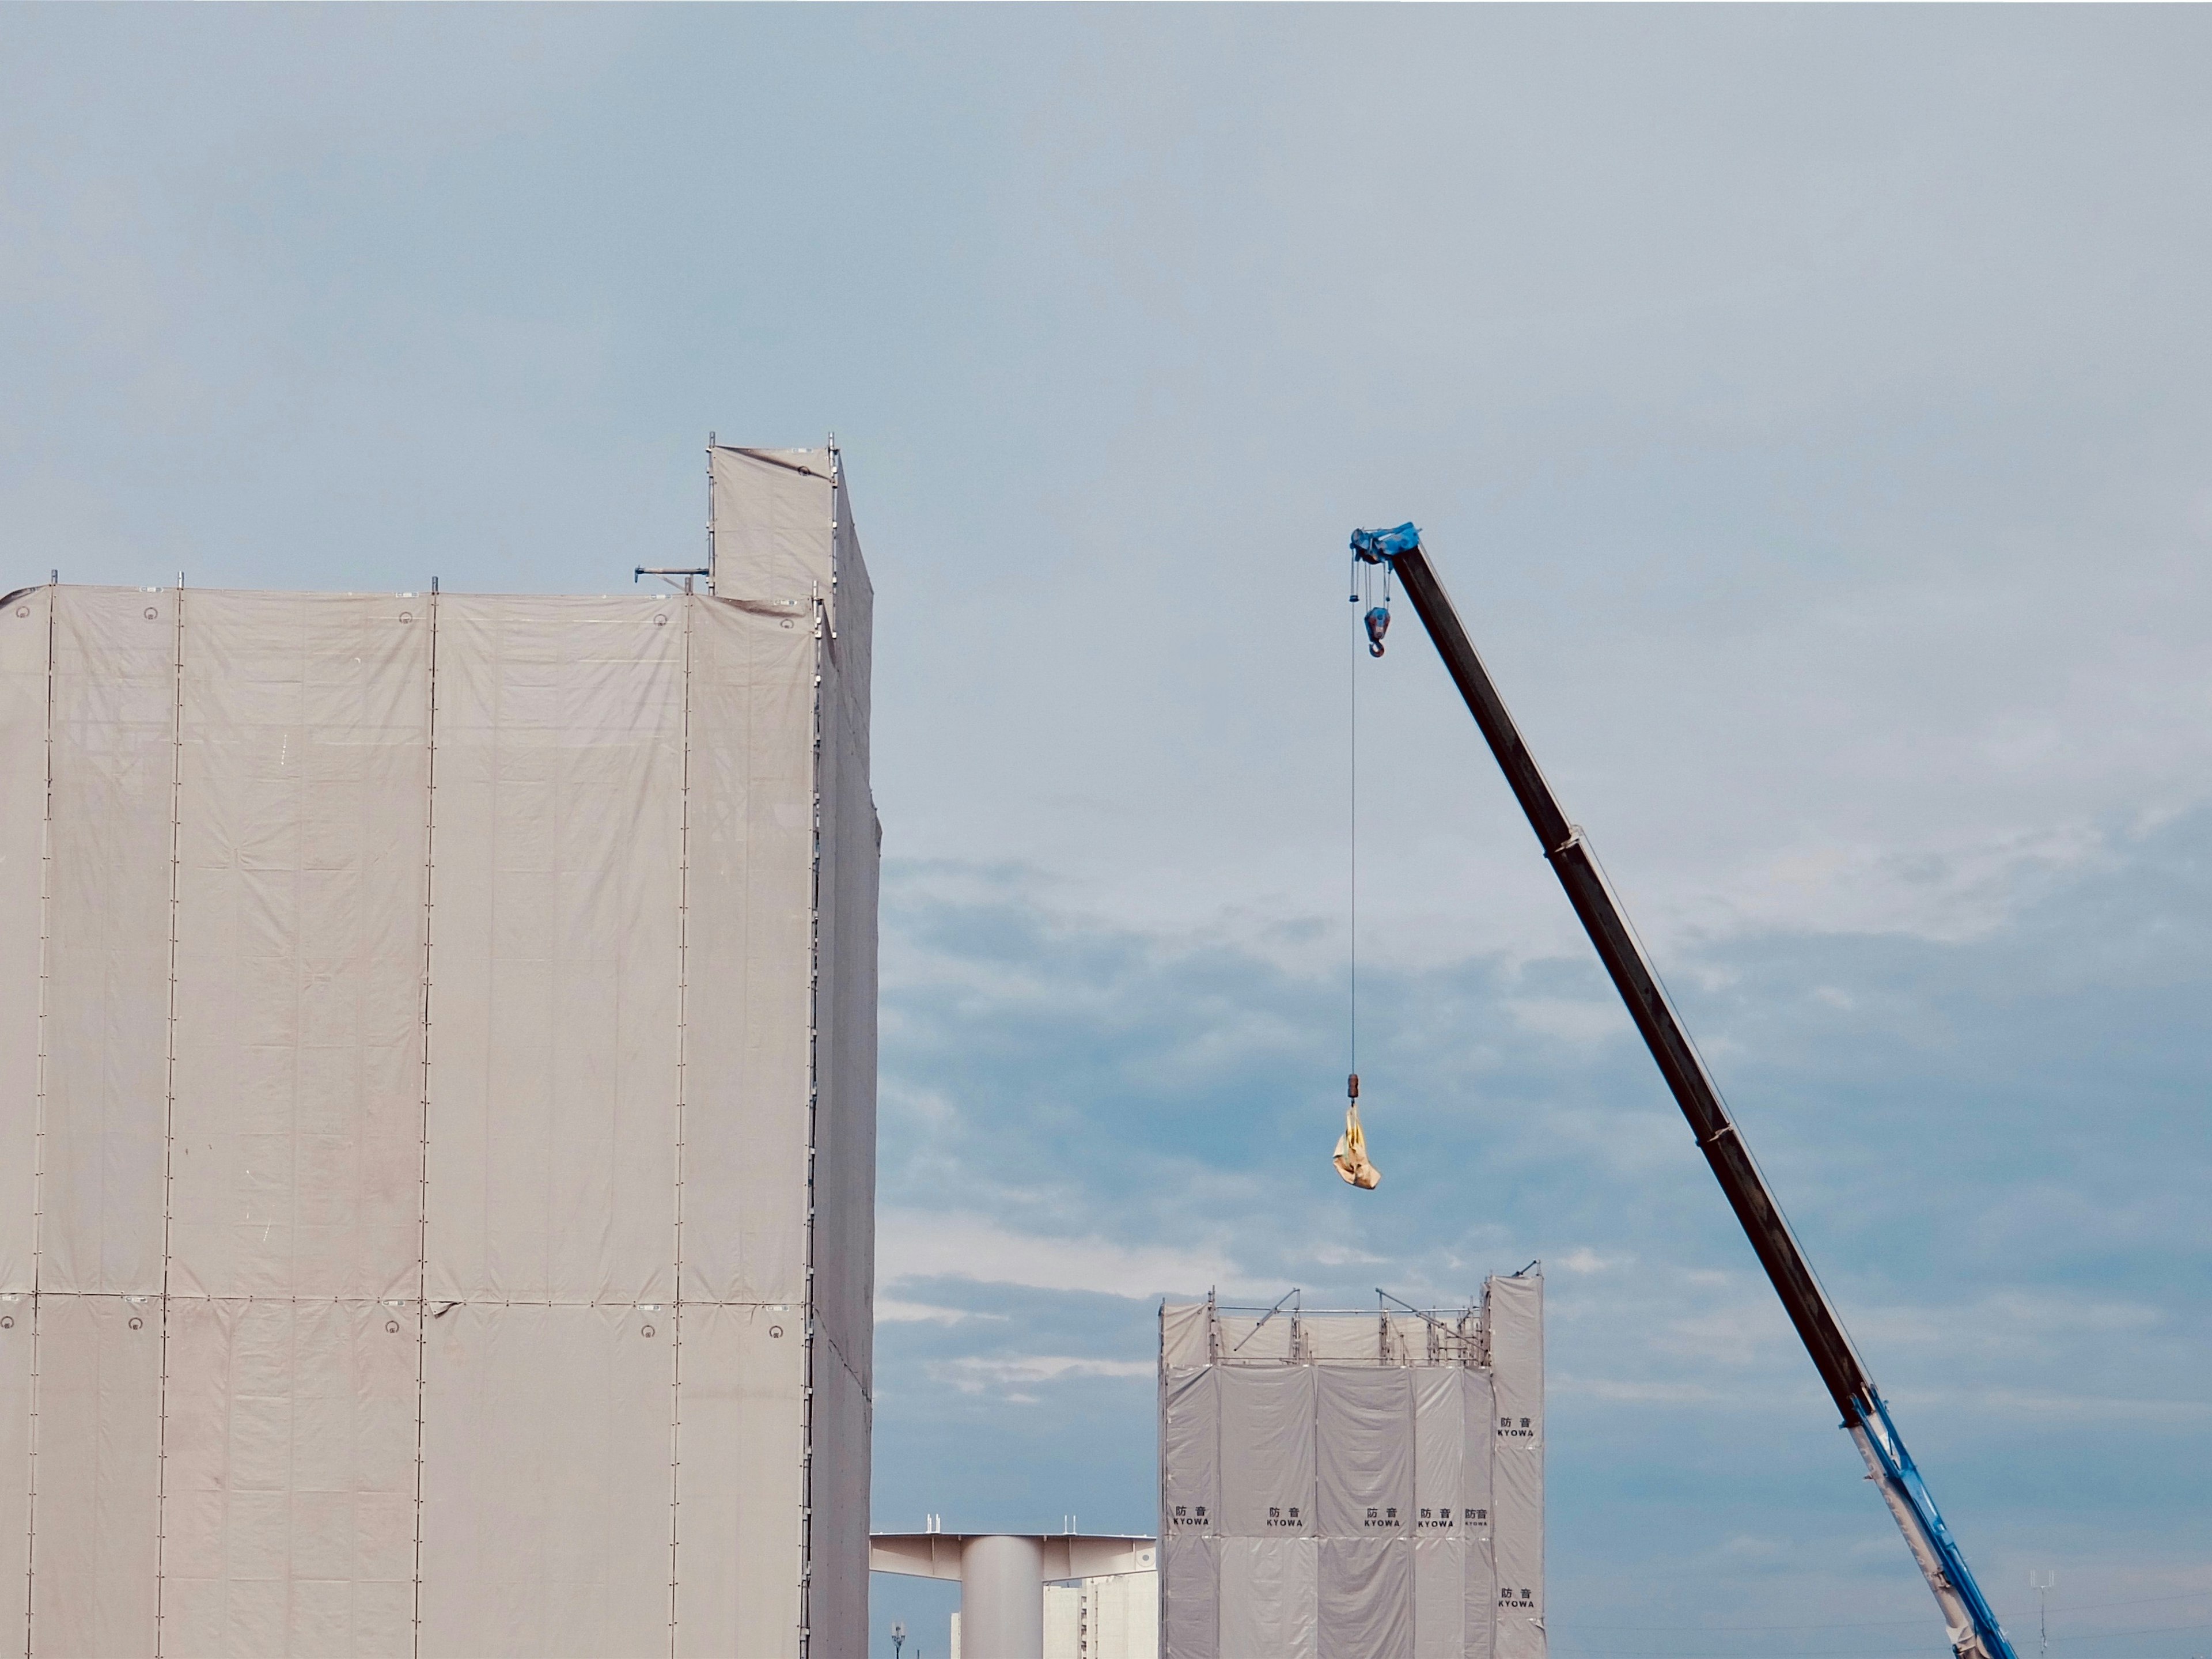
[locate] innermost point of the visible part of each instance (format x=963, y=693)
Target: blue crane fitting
x=1381, y=546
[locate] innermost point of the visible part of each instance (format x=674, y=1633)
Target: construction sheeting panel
x=107, y=1022
x=97, y=1518
x=1478, y=1513
x=772, y=511
x=1190, y=1450
x=1340, y=1336
x=845, y=1125
x=289, y=1518
x=1440, y=1598
x=1517, y=1356
x=1268, y=1598
x=23, y=841
x=837, y=1606
x=749, y=923
x=302, y=802
x=1439, y=1451
x=557, y=899
x=1266, y=1450
x=16, y=1343
x=737, y=1487
x=546, y=1482
x=1190, y=1588
x=1365, y=1450
x=1366, y=1598
x=1184, y=1334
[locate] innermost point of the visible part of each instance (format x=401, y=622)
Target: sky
x=1810, y=410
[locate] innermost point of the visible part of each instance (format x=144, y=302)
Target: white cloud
x=914, y=1244
x=1020, y=1372
x=891, y=1311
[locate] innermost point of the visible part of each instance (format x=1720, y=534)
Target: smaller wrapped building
x=1353, y=1485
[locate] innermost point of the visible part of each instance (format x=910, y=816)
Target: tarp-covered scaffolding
x=437, y=1099
x=1353, y=1485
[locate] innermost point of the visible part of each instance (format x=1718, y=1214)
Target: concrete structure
x=437, y=1057
x=1002, y=1578
x=1367, y=1484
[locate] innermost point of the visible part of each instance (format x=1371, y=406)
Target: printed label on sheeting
x=1190, y=1431
x=1266, y=1450
x=1365, y=1450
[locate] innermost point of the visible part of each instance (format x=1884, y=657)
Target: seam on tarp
x=682, y=1090
x=810, y=1322
x=169, y=1137
x=38, y=1148
x=422, y=1166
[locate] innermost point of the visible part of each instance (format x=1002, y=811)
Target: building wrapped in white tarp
x=1353, y=1485
x=437, y=1077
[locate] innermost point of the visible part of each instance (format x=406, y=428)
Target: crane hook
x=1378, y=624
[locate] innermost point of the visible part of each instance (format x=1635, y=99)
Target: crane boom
x=1972, y=1627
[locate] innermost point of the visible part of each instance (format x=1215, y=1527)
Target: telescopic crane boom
x=1973, y=1629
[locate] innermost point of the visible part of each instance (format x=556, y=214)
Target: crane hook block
x=1378, y=624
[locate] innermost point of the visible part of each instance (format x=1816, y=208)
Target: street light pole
x=898, y=1641
x=2040, y=1583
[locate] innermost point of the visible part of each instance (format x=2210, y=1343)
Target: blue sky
x=1810, y=409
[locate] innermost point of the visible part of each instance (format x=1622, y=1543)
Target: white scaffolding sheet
x=404, y=1000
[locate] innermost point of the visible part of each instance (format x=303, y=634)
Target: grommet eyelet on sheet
x=152, y=615
x=648, y=1330
x=407, y=616
x=660, y=621
x=7, y=1322
x=22, y=610
x=135, y=1322
x=391, y=1325
x=775, y=1330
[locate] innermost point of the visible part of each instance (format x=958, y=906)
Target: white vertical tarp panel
x=107, y=923
x=1266, y=1450
x=1439, y=1450
x=1439, y=1597
x=1190, y=1431
x=1477, y=1513
x=96, y=1523
x=1341, y=1336
x=737, y=1484
x=1190, y=1618
x=1364, y=1458
x=289, y=1518
x=1268, y=1589
x=845, y=1128
x=16, y=1475
x=1516, y=1358
x=750, y=922
x=545, y=1483
x=837, y=1609
x=554, y=1012
x=772, y=512
x=301, y=809
x=1366, y=1598
x=1186, y=1334
x=23, y=632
